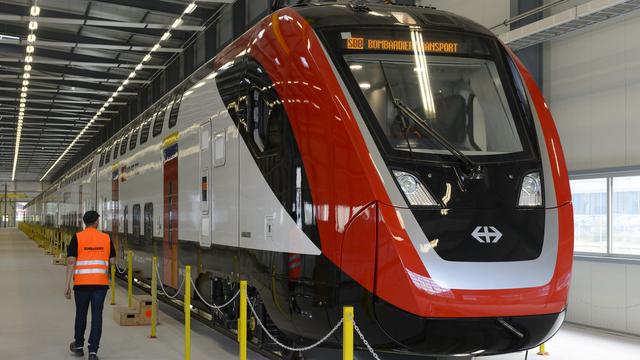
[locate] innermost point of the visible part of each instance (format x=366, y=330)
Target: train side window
x=135, y=226
x=107, y=156
x=265, y=120
x=126, y=220
x=123, y=145
x=144, y=132
x=159, y=121
x=116, y=147
x=148, y=222
x=134, y=138
x=173, y=115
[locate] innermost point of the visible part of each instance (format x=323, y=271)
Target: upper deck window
x=173, y=115
x=159, y=121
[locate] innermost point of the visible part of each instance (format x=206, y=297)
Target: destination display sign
x=363, y=43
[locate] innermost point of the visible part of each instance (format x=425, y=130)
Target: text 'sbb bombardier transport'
x=398, y=159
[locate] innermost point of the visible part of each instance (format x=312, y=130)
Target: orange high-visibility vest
x=92, y=264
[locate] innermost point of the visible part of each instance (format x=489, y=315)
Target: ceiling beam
x=57, y=110
x=66, y=91
x=73, y=78
x=89, y=102
x=99, y=23
x=155, y=6
x=60, y=44
x=79, y=63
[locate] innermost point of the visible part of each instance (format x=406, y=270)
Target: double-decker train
x=398, y=159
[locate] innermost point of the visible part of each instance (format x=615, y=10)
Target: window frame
x=175, y=108
x=145, y=129
x=107, y=157
x=147, y=225
x=133, y=138
x=609, y=175
x=116, y=149
x=159, y=119
x=136, y=223
x=124, y=144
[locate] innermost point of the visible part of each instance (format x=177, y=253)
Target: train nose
x=464, y=336
x=426, y=313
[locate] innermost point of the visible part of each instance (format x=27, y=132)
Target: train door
x=224, y=181
x=205, y=166
x=115, y=213
x=125, y=228
x=170, y=210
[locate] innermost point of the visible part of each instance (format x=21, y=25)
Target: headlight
x=531, y=190
x=413, y=189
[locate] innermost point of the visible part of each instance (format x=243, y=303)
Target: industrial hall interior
x=320, y=179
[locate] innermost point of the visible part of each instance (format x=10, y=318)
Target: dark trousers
x=84, y=297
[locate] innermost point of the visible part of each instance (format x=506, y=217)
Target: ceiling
x=84, y=50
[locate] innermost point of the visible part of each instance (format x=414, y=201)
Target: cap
x=90, y=217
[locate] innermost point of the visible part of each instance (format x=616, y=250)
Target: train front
x=474, y=230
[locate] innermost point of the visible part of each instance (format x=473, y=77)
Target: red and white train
x=397, y=159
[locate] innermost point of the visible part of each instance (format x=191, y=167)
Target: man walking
x=88, y=257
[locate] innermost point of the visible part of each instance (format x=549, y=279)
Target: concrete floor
x=36, y=322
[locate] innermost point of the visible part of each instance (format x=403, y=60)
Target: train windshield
x=453, y=83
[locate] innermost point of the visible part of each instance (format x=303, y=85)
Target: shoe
x=75, y=350
x=93, y=356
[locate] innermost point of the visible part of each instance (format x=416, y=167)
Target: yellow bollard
x=113, y=284
x=129, y=277
x=541, y=351
x=347, y=333
x=187, y=313
x=154, y=298
x=242, y=323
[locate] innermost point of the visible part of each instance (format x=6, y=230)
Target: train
x=397, y=159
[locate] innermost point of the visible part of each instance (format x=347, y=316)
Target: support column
x=532, y=55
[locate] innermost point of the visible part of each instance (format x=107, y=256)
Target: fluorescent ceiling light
x=30, y=49
x=35, y=10
x=31, y=38
x=33, y=25
x=146, y=58
x=28, y=58
x=176, y=23
x=139, y=66
x=27, y=67
x=190, y=8
x=165, y=36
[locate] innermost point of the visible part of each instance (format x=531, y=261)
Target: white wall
x=592, y=86
x=486, y=12
x=605, y=295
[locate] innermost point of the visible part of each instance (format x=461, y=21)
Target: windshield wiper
x=472, y=170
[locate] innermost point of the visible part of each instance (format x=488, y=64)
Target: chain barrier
x=121, y=272
x=162, y=286
x=213, y=306
x=364, y=341
x=335, y=328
